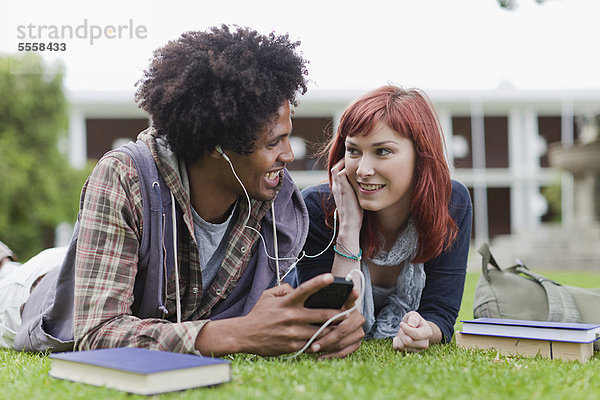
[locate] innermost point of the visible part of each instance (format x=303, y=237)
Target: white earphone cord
x=177, y=289
x=276, y=258
x=342, y=314
x=297, y=259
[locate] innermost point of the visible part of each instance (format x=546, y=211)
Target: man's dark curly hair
x=219, y=87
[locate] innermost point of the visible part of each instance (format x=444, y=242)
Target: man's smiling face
x=260, y=171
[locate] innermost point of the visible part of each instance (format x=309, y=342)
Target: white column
x=480, y=208
x=337, y=116
x=567, y=193
x=77, y=139
x=446, y=124
x=77, y=155
x=536, y=205
x=525, y=148
x=516, y=156
x=567, y=182
x=566, y=123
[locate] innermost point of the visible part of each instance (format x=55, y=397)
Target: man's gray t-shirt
x=212, y=244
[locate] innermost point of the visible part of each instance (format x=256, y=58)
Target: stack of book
x=562, y=340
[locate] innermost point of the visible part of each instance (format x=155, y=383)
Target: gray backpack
x=518, y=293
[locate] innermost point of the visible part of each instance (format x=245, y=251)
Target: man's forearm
x=219, y=338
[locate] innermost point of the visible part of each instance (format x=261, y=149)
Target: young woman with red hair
x=400, y=218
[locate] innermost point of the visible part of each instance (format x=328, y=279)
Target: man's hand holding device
x=279, y=323
x=345, y=336
x=333, y=295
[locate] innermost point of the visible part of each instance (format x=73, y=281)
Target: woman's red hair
x=409, y=113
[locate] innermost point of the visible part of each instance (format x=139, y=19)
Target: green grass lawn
x=375, y=371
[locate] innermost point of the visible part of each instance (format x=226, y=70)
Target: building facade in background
x=497, y=144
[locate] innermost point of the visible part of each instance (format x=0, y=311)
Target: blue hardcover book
x=525, y=329
x=140, y=371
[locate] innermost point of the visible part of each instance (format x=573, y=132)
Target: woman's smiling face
x=380, y=167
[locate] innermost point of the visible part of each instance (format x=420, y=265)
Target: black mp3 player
x=333, y=295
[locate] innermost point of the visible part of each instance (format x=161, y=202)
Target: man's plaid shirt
x=111, y=224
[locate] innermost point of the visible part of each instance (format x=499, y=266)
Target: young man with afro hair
x=219, y=102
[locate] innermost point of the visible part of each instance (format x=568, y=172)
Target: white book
x=525, y=329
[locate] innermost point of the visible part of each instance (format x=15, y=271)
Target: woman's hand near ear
x=350, y=214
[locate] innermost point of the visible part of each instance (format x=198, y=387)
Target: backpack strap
x=561, y=306
x=487, y=259
x=155, y=254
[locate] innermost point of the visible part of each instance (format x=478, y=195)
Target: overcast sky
x=432, y=44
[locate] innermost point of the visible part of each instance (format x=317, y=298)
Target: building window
x=102, y=134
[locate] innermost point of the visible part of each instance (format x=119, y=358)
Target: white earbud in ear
x=221, y=152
